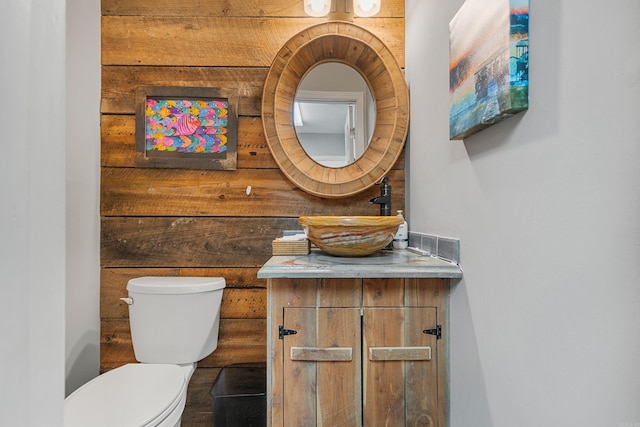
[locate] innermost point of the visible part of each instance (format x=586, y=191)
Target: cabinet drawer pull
x=400, y=353
x=314, y=354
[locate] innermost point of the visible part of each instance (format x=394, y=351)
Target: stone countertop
x=382, y=264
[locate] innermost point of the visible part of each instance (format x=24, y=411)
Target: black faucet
x=384, y=200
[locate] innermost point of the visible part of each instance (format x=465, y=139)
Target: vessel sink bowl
x=350, y=236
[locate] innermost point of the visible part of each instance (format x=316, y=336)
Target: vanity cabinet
x=357, y=351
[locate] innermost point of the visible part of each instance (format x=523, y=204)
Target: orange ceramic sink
x=350, y=236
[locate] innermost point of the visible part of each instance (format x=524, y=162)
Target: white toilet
x=174, y=323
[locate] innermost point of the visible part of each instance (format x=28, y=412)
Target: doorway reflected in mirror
x=334, y=114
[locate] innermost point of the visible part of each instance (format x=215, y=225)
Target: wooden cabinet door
x=400, y=367
x=322, y=374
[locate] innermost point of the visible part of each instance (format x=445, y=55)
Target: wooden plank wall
x=182, y=222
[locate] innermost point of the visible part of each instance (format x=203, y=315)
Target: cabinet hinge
x=437, y=331
x=282, y=332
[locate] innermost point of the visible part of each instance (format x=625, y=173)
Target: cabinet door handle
x=314, y=354
x=400, y=353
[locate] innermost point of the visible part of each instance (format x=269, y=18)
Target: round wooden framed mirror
x=355, y=46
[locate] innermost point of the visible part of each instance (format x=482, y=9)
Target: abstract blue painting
x=488, y=64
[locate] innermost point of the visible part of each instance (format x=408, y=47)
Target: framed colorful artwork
x=488, y=64
x=186, y=127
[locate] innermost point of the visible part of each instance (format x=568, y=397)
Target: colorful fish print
x=187, y=126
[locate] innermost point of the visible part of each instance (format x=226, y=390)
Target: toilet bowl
x=137, y=394
x=174, y=323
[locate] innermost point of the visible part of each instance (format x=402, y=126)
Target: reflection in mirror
x=334, y=114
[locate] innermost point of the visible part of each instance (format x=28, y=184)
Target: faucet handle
x=384, y=180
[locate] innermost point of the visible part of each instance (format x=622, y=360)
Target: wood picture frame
x=186, y=127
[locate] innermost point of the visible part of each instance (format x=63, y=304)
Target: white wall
x=32, y=212
x=49, y=211
x=83, y=192
x=545, y=327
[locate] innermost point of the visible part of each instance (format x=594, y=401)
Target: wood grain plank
x=243, y=303
x=189, y=242
x=137, y=40
x=340, y=293
x=145, y=191
x=383, y=292
x=300, y=378
x=115, y=344
x=339, y=383
x=435, y=293
x=119, y=83
x=314, y=354
x=117, y=140
x=421, y=384
x=384, y=400
x=240, y=341
x=253, y=150
x=245, y=8
x=400, y=353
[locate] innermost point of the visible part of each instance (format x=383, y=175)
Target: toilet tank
x=174, y=319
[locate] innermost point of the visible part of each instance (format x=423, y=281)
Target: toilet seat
x=136, y=395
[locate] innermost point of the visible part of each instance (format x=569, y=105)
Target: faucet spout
x=384, y=200
x=380, y=200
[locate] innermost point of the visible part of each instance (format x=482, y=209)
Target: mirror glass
x=334, y=114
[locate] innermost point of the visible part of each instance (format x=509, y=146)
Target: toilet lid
x=168, y=285
x=133, y=395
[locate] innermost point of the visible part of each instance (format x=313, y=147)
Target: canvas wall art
x=488, y=64
x=181, y=127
